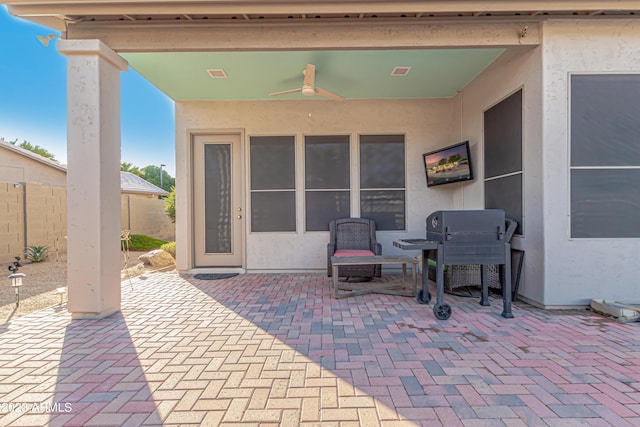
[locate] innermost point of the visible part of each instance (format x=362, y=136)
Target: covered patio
x=252, y=196
x=277, y=349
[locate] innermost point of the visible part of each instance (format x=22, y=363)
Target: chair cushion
x=353, y=252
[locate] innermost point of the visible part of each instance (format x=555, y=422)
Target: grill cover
x=469, y=236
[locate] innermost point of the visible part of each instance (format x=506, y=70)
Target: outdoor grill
x=469, y=237
x=459, y=238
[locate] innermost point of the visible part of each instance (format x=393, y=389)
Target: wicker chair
x=457, y=276
x=352, y=237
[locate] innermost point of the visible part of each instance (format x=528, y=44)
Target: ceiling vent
x=400, y=71
x=217, y=74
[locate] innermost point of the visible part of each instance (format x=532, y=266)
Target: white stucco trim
x=208, y=37
x=92, y=47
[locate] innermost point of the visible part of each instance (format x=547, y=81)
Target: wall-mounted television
x=448, y=165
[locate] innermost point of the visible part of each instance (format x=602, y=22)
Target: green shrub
x=169, y=248
x=170, y=204
x=37, y=253
x=140, y=242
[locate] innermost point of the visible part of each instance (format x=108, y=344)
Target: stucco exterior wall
x=516, y=69
x=427, y=125
x=559, y=271
x=577, y=270
x=16, y=167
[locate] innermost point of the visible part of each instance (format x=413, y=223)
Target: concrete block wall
x=11, y=222
x=45, y=215
x=46, y=218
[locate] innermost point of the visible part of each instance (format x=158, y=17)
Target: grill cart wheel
x=421, y=297
x=442, y=311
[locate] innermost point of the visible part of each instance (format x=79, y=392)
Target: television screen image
x=448, y=165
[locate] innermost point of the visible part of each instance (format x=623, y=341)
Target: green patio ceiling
x=363, y=74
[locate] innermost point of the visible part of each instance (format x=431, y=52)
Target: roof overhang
x=162, y=27
x=60, y=14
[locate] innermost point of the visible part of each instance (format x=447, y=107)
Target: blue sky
x=33, y=100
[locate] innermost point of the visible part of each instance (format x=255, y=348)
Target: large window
x=503, y=158
x=273, y=206
x=327, y=183
x=605, y=156
x=382, y=180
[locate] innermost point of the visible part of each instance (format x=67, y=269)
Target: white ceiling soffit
x=59, y=14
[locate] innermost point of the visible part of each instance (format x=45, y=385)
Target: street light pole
x=161, y=166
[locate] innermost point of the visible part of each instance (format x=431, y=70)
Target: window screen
x=605, y=203
x=503, y=158
x=327, y=180
x=605, y=120
x=503, y=137
x=505, y=193
x=272, y=183
x=217, y=198
x=382, y=180
x=605, y=156
x=272, y=163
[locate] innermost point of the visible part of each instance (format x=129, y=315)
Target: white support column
x=93, y=177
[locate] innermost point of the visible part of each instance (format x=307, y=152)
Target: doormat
x=216, y=276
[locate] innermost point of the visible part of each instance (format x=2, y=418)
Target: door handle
x=239, y=216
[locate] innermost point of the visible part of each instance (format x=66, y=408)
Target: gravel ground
x=40, y=284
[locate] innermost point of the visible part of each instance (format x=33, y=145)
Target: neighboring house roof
x=38, y=158
x=129, y=183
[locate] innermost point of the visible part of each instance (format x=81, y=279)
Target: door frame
x=241, y=175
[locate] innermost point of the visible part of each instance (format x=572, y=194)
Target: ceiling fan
x=308, y=86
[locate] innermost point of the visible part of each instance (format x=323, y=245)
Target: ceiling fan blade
x=328, y=94
x=285, y=92
x=309, y=76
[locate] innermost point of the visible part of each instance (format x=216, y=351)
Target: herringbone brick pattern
x=269, y=350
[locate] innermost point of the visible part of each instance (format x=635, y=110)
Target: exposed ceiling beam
x=150, y=36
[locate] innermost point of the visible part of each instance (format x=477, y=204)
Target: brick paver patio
x=278, y=350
